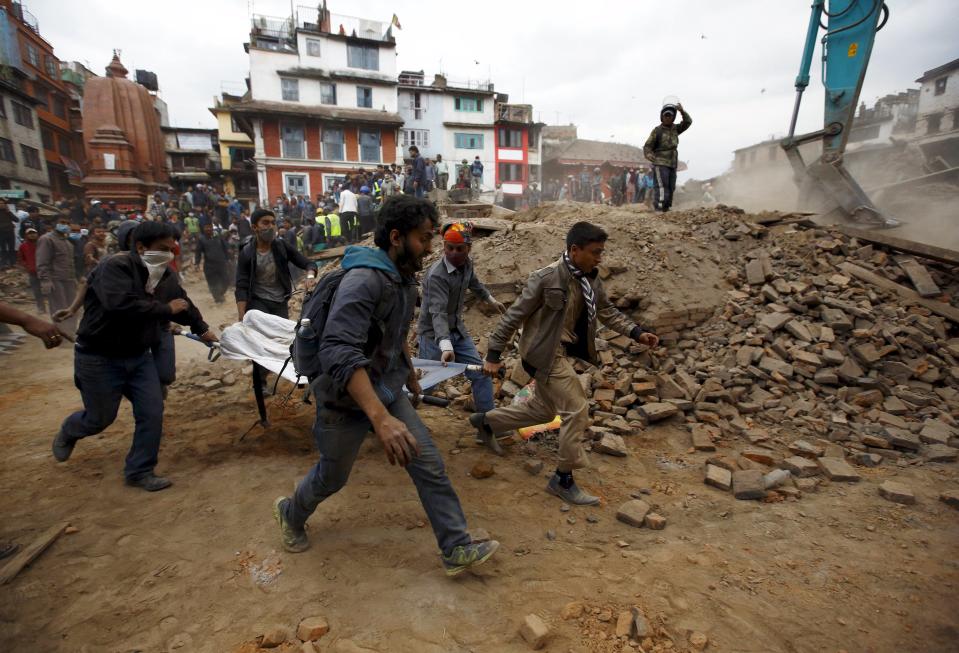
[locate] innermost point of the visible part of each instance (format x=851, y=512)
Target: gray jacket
x=540, y=312
x=367, y=326
x=444, y=294
x=55, y=258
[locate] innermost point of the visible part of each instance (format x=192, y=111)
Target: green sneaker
x=471, y=555
x=294, y=541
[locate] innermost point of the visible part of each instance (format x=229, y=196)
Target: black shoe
x=7, y=549
x=484, y=434
x=150, y=482
x=63, y=447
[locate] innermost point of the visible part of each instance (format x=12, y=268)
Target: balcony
x=521, y=113
x=272, y=31
x=26, y=17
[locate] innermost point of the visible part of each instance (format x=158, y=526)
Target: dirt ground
x=199, y=567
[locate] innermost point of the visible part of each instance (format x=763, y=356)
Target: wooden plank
x=919, y=276
x=333, y=252
x=29, y=554
x=908, y=295
x=903, y=245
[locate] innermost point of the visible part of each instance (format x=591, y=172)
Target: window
x=3, y=107
x=291, y=89
x=51, y=66
x=234, y=127
x=188, y=162
x=531, y=137
x=468, y=141
x=33, y=54
x=295, y=184
x=6, y=150
x=64, y=148
x=31, y=157
x=59, y=106
x=510, y=137
x=313, y=47
x=369, y=146
x=472, y=104
x=364, y=97
x=510, y=172
x=22, y=114
x=418, y=102
x=363, y=56
x=941, y=85
x=333, y=144
x=933, y=123
x=418, y=137
x=47, y=137
x=294, y=146
x=327, y=93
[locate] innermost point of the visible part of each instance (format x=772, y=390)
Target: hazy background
x=603, y=65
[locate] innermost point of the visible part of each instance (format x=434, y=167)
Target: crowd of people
x=355, y=324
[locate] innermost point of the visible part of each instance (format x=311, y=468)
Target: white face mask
x=156, y=263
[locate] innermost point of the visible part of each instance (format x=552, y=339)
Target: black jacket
x=214, y=252
x=120, y=319
x=283, y=254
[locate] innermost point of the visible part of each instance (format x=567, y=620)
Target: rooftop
x=940, y=70
x=334, y=114
x=588, y=152
x=318, y=20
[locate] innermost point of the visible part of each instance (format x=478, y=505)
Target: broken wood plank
x=333, y=252
x=902, y=244
x=919, y=276
x=29, y=554
x=906, y=294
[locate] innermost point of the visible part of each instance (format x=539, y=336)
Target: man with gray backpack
x=353, y=349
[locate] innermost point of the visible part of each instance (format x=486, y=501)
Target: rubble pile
x=815, y=356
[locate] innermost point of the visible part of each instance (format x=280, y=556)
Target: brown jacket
x=55, y=260
x=540, y=312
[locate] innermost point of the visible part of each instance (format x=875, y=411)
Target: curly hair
x=404, y=213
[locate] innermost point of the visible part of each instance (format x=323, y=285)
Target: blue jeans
x=103, y=382
x=338, y=436
x=466, y=353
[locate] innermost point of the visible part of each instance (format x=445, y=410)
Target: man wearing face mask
x=122, y=320
x=56, y=269
x=364, y=362
x=442, y=332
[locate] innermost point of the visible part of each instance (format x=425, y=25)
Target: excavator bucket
x=840, y=189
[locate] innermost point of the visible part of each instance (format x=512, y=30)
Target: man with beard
x=364, y=362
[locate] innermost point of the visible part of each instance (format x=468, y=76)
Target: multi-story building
x=193, y=156
x=321, y=100
x=236, y=151
x=518, y=151
x=455, y=119
x=45, y=84
x=937, y=127
x=23, y=171
x=892, y=115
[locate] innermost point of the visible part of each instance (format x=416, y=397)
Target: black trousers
x=218, y=280
x=664, y=183
x=351, y=225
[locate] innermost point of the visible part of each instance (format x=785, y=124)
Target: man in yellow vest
x=334, y=232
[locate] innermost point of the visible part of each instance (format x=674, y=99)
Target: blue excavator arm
x=850, y=31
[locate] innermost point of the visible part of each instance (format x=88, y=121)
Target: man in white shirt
x=442, y=172
x=348, y=213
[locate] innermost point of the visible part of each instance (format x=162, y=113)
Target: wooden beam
x=919, y=276
x=908, y=295
x=29, y=554
x=919, y=249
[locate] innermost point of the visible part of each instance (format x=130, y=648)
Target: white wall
x=265, y=83
x=929, y=102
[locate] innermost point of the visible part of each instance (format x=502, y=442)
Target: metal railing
x=26, y=17
x=473, y=84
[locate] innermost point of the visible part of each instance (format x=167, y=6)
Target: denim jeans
x=466, y=353
x=338, y=436
x=164, y=357
x=103, y=382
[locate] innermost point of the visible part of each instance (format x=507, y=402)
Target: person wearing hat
x=364, y=209
x=443, y=335
x=96, y=211
x=661, y=149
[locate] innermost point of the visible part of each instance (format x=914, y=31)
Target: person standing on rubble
x=215, y=254
x=364, y=363
x=443, y=335
x=662, y=150
x=122, y=320
x=559, y=313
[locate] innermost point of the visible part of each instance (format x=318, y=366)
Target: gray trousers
x=338, y=436
x=60, y=297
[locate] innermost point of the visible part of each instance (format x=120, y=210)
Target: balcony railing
x=473, y=84
x=310, y=18
x=26, y=17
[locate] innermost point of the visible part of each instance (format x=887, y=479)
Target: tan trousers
x=562, y=395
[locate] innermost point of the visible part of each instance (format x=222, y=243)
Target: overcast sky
x=604, y=65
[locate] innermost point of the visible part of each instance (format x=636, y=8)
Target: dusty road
x=198, y=567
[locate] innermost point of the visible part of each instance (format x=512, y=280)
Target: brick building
x=321, y=100
x=52, y=97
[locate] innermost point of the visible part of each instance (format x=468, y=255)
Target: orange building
x=61, y=145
